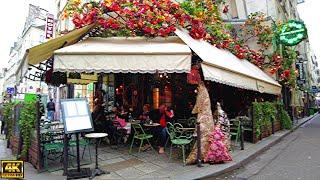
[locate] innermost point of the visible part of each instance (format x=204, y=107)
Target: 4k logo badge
x=12, y=169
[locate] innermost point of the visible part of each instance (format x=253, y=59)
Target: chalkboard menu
x=76, y=115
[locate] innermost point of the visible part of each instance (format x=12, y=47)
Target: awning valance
x=124, y=55
x=44, y=51
x=223, y=67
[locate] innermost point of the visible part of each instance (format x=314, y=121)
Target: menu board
x=76, y=115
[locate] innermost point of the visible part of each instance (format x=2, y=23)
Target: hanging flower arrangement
x=153, y=18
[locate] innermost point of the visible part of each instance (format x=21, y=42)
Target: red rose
x=226, y=9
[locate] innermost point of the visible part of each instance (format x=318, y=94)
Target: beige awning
x=44, y=51
x=125, y=55
x=223, y=67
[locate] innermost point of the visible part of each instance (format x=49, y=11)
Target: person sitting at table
x=165, y=115
x=121, y=112
x=146, y=111
x=98, y=117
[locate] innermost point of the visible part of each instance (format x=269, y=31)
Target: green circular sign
x=292, y=33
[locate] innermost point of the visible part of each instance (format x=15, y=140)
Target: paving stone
x=122, y=165
x=111, y=161
x=130, y=173
x=106, y=156
x=148, y=167
x=160, y=163
x=154, y=175
x=112, y=175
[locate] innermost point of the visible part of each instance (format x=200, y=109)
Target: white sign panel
x=76, y=115
x=49, y=26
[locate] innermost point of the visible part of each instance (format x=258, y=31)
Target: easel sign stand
x=77, y=118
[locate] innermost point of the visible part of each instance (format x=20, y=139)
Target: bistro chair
x=235, y=131
x=119, y=133
x=178, y=138
x=246, y=124
x=191, y=122
x=83, y=143
x=182, y=121
x=139, y=134
x=50, y=148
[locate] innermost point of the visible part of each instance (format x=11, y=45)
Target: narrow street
x=297, y=156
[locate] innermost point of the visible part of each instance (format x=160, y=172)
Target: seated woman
x=98, y=117
x=165, y=115
x=121, y=113
x=145, y=114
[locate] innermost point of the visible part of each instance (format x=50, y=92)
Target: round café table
x=97, y=136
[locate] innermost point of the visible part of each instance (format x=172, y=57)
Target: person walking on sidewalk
x=50, y=110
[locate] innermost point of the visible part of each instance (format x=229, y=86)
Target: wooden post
x=241, y=136
x=39, y=154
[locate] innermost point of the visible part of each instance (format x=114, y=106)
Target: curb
x=257, y=153
x=246, y=160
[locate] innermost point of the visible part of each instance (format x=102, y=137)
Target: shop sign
x=10, y=90
x=300, y=68
x=314, y=89
x=293, y=32
x=49, y=26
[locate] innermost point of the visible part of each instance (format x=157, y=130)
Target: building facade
x=33, y=34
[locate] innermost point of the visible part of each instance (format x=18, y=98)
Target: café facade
x=157, y=68
x=133, y=71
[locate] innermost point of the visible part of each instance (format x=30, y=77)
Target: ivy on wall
x=27, y=125
x=284, y=117
x=263, y=113
x=266, y=112
x=8, y=117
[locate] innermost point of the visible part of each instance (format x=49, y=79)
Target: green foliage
x=116, y=33
x=263, y=114
x=257, y=116
x=289, y=59
x=284, y=117
x=8, y=117
x=27, y=124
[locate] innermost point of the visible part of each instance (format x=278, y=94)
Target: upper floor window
x=233, y=9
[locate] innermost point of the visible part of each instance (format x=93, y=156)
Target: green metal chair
x=139, y=134
x=53, y=147
x=191, y=122
x=235, y=131
x=246, y=123
x=178, y=138
x=84, y=143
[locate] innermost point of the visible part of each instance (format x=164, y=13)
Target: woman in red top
x=166, y=115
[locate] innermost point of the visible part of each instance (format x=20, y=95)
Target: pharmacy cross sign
x=292, y=33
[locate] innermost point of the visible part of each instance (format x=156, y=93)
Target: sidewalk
x=242, y=157
x=30, y=173
x=151, y=165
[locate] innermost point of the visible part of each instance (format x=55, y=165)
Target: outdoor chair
x=182, y=121
x=178, y=138
x=53, y=147
x=235, y=131
x=119, y=133
x=139, y=134
x=83, y=143
x=246, y=123
x=191, y=122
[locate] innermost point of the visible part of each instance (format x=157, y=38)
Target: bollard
x=198, y=145
x=241, y=136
